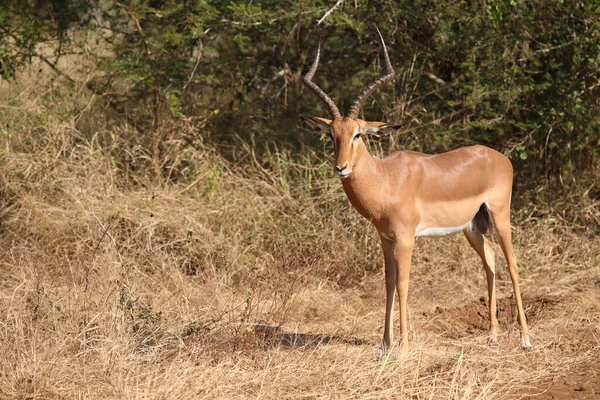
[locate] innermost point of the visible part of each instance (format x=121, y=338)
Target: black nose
x=340, y=169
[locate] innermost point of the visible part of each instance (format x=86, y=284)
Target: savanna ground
x=147, y=266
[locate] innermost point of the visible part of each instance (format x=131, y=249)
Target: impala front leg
x=390, y=292
x=403, y=248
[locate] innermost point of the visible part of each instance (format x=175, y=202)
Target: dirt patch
x=564, y=328
x=461, y=321
x=583, y=383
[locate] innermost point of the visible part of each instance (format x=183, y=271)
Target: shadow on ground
x=273, y=336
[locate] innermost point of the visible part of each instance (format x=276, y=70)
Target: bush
x=519, y=76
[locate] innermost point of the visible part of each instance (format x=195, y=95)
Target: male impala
x=409, y=194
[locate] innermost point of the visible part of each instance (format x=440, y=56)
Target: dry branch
x=332, y=9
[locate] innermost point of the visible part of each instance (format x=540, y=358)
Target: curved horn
x=355, y=109
x=307, y=80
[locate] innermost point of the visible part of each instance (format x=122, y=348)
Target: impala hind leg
x=480, y=245
x=502, y=224
x=390, y=292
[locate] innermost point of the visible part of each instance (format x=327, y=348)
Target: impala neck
x=365, y=183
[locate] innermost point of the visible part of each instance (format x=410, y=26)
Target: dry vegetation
x=146, y=266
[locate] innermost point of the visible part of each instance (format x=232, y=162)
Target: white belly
x=437, y=232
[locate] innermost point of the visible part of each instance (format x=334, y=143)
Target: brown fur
x=409, y=192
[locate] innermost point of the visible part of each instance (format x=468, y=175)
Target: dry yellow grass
x=241, y=282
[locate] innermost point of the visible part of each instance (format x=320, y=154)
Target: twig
x=54, y=67
x=155, y=90
x=107, y=233
x=195, y=67
x=41, y=57
x=332, y=9
x=139, y=29
x=434, y=78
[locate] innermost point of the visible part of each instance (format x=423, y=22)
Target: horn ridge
x=307, y=80
x=360, y=100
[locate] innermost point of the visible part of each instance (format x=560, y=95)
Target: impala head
x=346, y=132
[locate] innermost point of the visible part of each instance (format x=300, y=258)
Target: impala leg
x=478, y=242
x=502, y=224
x=403, y=248
x=390, y=292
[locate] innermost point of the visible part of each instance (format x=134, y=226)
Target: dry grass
x=247, y=281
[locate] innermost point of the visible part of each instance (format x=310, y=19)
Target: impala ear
x=380, y=129
x=320, y=125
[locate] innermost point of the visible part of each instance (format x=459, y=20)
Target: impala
x=408, y=194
